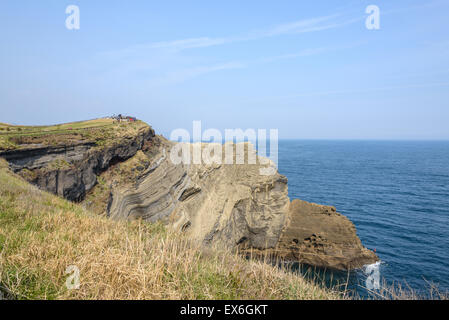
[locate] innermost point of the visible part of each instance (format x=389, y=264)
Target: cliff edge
x=124, y=171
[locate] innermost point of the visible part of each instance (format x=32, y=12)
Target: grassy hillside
x=100, y=131
x=41, y=235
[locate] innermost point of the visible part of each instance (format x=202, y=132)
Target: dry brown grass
x=402, y=291
x=41, y=235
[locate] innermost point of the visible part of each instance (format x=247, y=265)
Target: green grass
x=100, y=131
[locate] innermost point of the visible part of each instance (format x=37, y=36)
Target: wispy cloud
x=178, y=76
x=171, y=70
x=302, y=26
x=295, y=27
x=305, y=53
x=302, y=53
x=184, y=74
x=355, y=91
x=168, y=65
x=421, y=6
x=191, y=43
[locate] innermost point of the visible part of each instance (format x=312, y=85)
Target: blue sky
x=308, y=68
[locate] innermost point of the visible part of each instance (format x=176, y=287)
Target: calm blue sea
x=396, y=193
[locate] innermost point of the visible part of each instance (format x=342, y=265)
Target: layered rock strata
x=238, y=206
x=244, y=206
x=70, y=170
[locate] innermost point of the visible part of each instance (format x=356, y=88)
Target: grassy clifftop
x=99, y=131
x=42, y=234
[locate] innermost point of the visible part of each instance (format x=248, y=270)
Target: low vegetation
x=401, y=291
x=100, y=131
x=41, y=235
x=125, y=174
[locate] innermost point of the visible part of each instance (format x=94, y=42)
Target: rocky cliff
x=132, y=177
x=318, y=235
x=231, y=204
x=69, y=165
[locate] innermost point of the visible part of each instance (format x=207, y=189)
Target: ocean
x=395, y=192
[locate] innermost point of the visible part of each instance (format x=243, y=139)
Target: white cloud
x=300, y=26
x=178, y=76
x=163, y=62
x=352, y=91
x=190, y=43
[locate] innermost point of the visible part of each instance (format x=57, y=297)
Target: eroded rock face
x=231, y=204
x=238, y=206
x=318, y=235
x=71, y=170
x=243, y=206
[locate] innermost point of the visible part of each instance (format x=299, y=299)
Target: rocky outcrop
x=70, y=170
x=238, y=206
x=318, y=235
x=228, y=204
x=243, y=206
